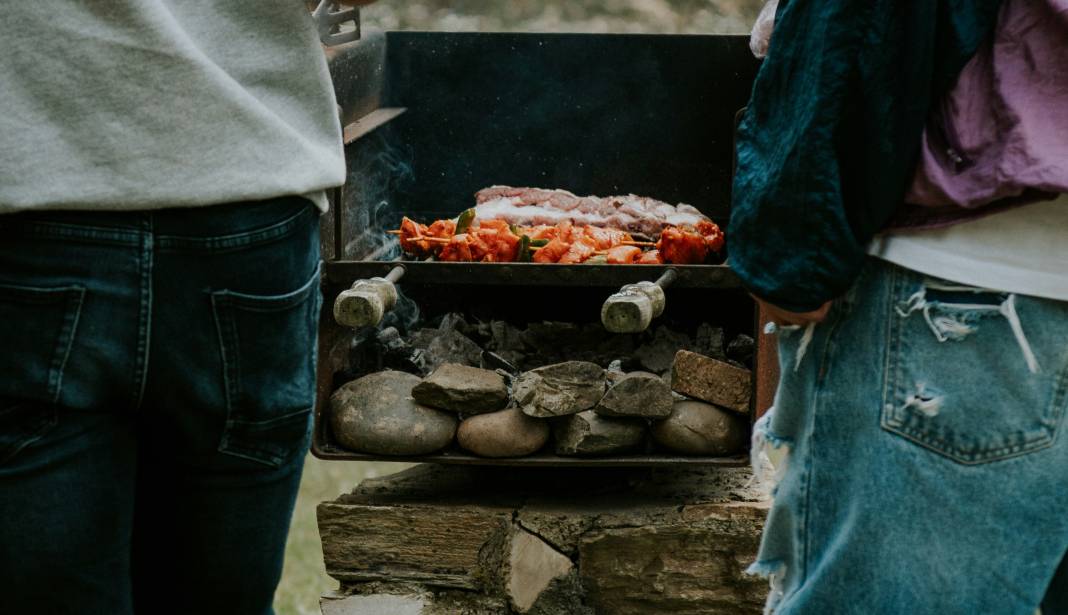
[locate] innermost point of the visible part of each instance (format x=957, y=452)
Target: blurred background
x=662, y=16
x=304, y=578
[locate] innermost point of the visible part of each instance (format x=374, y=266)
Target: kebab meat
x=473, y=239
x=534, y=206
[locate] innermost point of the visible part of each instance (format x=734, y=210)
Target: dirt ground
x=304, y=578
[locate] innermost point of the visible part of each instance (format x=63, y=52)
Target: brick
x=712, y=381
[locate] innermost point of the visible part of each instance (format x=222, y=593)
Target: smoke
x=405, y=315
x=378, y=169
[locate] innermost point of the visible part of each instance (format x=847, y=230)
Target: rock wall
x=437, y=540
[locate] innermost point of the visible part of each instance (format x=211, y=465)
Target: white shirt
x=1023, y=250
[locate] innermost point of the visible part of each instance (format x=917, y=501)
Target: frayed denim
x=924, y=460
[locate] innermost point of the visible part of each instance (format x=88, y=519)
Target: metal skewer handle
x=634, y=307
x=329, y=16
x=366, y=303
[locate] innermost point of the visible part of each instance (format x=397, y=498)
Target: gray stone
x=449, y=346
x=376, y=414
x=376, y=604
x=657, y=354
x=561, y=389
x=637, y=394
x=460, y=388
x=508, y=433
x=698, y=428
x=532, y=566
x=589, y=434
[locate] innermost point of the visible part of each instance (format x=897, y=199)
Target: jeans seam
x=822, y=374
x=230, y=365
x=144, y=331
x=70, y=328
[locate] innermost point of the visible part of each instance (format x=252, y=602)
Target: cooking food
x=471, y=238
x=538, y=206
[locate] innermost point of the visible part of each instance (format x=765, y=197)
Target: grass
x=304, y=577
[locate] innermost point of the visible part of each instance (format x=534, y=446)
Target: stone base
x=437, y=540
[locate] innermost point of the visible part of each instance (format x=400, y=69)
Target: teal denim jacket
x=831, y=137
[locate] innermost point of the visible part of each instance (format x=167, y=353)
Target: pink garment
x=1000, y=137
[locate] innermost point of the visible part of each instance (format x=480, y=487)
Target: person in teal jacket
x=889, y=216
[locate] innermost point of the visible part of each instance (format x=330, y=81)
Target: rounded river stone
x=697, y=428
x=507, y=433
x=376, y=414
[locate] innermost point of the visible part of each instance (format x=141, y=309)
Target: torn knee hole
x=925, y=401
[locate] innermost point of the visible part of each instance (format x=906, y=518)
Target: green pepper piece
x=464, y=221
x=539, y=243
x=524, y=249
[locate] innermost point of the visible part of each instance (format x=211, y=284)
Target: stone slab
x=633, y=540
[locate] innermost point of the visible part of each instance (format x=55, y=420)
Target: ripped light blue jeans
x=926, y=468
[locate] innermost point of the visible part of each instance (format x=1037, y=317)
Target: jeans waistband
x=216, y=228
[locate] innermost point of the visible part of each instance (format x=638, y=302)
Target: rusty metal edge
x=534, y=274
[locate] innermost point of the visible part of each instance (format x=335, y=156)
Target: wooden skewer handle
x=368, y=301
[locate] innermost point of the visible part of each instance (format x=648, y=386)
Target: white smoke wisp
x=378, y=169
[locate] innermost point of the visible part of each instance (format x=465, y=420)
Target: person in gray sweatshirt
x=162, y=168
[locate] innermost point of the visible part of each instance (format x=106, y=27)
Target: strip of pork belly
x=531, y=206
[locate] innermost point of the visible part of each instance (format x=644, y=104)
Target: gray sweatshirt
x=146, y=104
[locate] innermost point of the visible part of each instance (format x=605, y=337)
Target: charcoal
x=658, y=354
x=397, y=354
x=741, y=349
x=556, y=342
x=505, y=337
x=440, y=347
x=709, y=341
x=494, y=361
x=453, y=321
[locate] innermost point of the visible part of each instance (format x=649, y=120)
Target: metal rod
x=396, y=274
x=667, y=278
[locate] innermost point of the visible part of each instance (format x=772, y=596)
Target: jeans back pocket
x=268, y=346
x=958, y=378
x=37, y=330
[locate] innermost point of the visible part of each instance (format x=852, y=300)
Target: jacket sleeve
x=832, y=133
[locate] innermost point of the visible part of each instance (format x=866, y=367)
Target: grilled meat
x=537, y=206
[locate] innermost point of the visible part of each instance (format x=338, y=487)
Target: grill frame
x=397, y=83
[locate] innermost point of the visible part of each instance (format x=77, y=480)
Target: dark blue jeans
x=156, y=383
